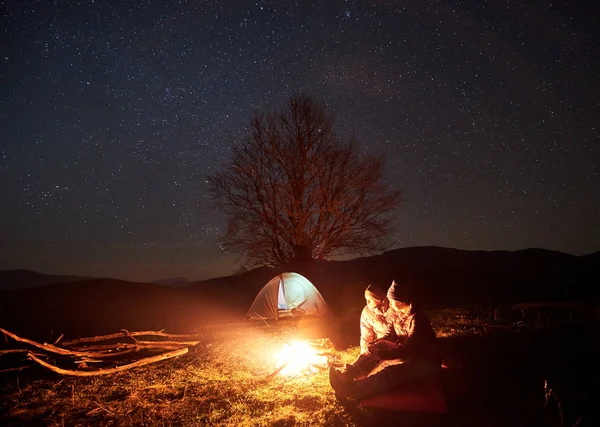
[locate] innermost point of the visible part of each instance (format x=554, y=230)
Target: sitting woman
x=374, y=326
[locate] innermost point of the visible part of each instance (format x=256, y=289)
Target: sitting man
x=412, y=340
x=374, y=326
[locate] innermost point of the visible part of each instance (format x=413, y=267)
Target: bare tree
x=293, y=191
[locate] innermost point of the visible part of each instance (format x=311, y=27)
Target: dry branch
x=46, y=347
x=123, y=334
x=94, y=353
x=107, y=371
x=17, y=350
x=107, y=351
x=107, y=347
x=110, y=353
x=88, y=360
x=20, y=368
x=139, y=345
x=275, y=372
x=167, y=343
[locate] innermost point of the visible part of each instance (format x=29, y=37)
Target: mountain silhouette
x=35, y=303
x=172, y=281
x=15, y=279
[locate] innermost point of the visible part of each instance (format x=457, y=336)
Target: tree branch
x=107, y=371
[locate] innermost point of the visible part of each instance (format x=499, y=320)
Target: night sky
x=114, y=113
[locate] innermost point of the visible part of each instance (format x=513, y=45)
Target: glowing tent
x=287, y=294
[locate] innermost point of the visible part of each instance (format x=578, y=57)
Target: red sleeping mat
x=424, y=397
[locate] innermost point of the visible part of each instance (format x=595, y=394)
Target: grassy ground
x=224, y=381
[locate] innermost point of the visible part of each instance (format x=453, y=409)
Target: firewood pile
x=101, y=355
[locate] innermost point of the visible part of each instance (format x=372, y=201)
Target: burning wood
x=302, y=357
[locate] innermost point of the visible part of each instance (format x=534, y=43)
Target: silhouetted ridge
x=435, y=276
x=13, y=279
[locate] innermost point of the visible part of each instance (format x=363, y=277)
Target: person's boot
x=352, y=371
x=342, y=386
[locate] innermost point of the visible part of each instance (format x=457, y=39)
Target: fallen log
x=107, y=371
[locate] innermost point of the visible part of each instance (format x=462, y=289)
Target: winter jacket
x=415, y=335
x=373, y=326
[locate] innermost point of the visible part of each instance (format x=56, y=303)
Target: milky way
x=114, y=114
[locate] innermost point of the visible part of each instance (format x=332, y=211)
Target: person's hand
x=384, y=344
x=373, y=351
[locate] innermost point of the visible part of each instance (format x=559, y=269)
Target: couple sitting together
x=398, y=347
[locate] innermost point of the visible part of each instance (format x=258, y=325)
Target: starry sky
x=114, y=113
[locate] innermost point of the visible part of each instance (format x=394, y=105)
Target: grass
x=221, y=382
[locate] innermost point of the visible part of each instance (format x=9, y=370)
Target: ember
x=298, y=357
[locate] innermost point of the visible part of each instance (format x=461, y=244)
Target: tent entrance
x=282, y=306
x=281, y=302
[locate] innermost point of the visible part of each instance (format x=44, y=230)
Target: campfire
x=302, y=357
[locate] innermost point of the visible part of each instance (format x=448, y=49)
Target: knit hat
x=375, y=292
x=394, y=293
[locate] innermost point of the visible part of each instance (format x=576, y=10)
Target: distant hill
x=14, y=279
x=593, y=258
x=439, y=277
x=434, y=276
x=173, y=281
x=450, y=277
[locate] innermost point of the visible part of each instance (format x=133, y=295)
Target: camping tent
x=287, y=293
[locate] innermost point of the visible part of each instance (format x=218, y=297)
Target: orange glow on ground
x=299, y=357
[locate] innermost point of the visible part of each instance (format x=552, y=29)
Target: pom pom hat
x=394, y=293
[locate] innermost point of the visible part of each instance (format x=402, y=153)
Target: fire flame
x=298, y=357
